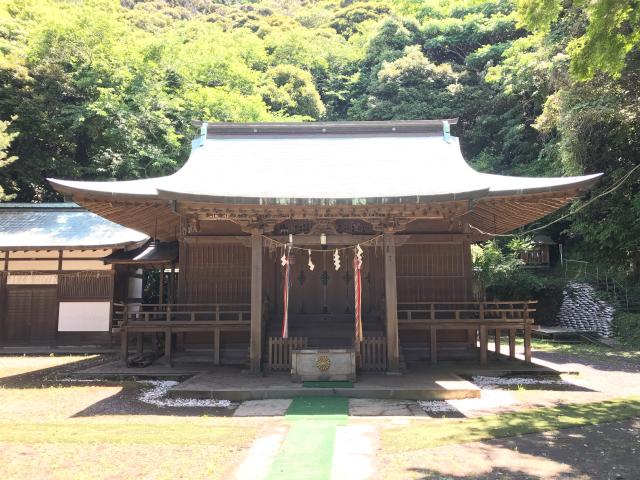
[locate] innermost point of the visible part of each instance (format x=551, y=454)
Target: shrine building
x=279, y=237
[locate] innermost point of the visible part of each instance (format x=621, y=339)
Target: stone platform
x=420, y=382
x=227, y=384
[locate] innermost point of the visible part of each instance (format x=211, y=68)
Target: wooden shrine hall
x=345, y=235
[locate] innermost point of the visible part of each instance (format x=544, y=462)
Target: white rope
x=306, y=249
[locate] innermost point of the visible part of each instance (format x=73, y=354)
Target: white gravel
x=437, y=406
x=155, y=396
x=494, y=382
x=489, y=400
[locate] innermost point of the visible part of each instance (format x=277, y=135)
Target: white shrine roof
x=325, y=163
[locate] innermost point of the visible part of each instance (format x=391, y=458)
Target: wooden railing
x=186, y=313
x=449, y=312
x=476, y=317
x=280, y=351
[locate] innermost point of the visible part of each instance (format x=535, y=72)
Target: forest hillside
x=107, y=89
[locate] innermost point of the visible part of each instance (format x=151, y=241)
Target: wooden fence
x=373, y=354
x=280, y=352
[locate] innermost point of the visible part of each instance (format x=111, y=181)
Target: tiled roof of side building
x=60, y=225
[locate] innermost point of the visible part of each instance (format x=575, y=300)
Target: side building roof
x=60, y=225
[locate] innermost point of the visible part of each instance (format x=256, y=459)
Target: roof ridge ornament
x=203, y=132
x=199, y=141
x=446, y=130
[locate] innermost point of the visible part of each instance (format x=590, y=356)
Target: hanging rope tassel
x=357, y=283
x=286, y=286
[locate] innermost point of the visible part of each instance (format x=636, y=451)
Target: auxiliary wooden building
x=55, y=289
x=269, y=217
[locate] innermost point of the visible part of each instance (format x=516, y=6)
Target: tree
x=5, y=159
x=412, y=87
x=289, y=91
x=611, y=33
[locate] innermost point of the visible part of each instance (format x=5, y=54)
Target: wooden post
x=139, y=343
x=512, y=343
x=167, y=347
x=527, y=334
x=172, y=281
x=216, y=346
x=154, y=344
x=497, y=342
x=124, y=345
x=255, y=348
x=434, y=344
x=391, y=302
x=161, y=286
x=527, y=342
x=483, y=344
x=124, y=336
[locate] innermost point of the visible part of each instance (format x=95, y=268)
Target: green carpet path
x=307, y=450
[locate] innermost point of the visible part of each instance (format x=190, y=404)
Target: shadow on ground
x=605, y=451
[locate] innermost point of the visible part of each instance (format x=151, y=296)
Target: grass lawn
x=10, y=366
x=583, y=349
x=420, y=435
x=48, y=430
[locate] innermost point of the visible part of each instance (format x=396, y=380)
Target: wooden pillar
x=216, y=346
x=124, y=345
x=154, y=344
x=391, y=303
x=172, y=283
x=255, y=343
x=483, y=344
x=167, y=347
x=527, y=342
x=433, y=333
x=497, y=342
x=512, y=343
x=139, y=343
x=161, y=286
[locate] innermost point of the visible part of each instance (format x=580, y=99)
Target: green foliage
x=5, y=159
x=108, y=89
x=611, y=33
x=493, y=266
x=412, y=87
x=289, y=91
x=626, y=328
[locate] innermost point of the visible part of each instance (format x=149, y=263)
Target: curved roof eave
x=106, y=189
x=547, y=184
x=559, y=184
x=328, y=201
